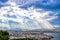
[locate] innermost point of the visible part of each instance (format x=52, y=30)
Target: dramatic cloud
x=15, y=17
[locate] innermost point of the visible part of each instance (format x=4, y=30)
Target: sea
x=55, y=35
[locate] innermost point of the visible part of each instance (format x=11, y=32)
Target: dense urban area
x=26, y=35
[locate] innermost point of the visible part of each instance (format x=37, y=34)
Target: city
x=38, y=34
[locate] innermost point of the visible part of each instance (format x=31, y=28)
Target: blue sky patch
x=3, y=1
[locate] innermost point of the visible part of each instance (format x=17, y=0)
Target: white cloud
x=52, y=18
x=39, y=17
x=4, y=26
x=23, y=2
x=56, y=25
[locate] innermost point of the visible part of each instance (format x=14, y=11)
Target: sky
x=29, y=14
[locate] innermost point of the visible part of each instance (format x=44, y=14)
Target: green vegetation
x=4, y=35
x=25, y=39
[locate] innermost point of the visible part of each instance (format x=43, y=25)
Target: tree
x=4, y=35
